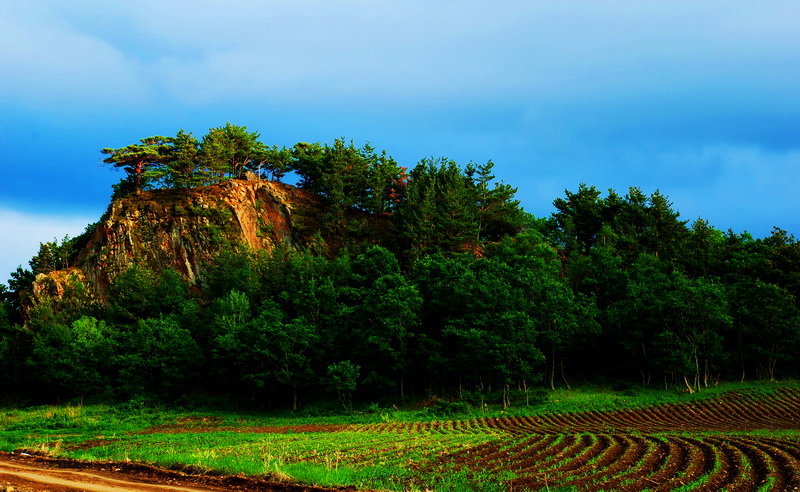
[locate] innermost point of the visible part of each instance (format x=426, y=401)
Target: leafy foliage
x=440, y=285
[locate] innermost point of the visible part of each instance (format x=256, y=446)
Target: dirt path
x=63, y=480
x=27, y=477
x=22, y=473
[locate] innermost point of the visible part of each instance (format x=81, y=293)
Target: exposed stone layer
x=184, y=229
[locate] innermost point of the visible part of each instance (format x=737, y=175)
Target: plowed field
x=742, y=440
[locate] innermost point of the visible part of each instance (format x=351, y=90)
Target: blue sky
x=699, y=99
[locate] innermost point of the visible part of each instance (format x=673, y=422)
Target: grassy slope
x=366, y=453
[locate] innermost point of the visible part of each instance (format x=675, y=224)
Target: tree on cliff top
x=141, y=161
x=183, y=161
x=230, y=150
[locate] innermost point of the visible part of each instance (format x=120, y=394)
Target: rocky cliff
x=184, y=229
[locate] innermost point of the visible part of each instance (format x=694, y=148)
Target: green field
x=734, y=437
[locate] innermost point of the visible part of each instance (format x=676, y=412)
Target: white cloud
x=417, y=51
x=22, y=233
x=45, y=62
x=372, y=51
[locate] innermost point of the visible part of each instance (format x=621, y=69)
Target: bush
x=446, y=408
x=537, y=396
x=631, y=392
x=322, y=409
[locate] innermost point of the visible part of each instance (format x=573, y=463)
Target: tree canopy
x=461, y=293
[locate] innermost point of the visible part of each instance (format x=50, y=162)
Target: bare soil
x=658, y=448
x=24, y=473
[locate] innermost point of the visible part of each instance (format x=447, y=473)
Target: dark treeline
x=462, y=295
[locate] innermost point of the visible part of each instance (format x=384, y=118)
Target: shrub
x=446, y=408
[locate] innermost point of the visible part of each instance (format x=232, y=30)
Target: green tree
x=72, y=359
x=361, y=185
x=578, y=219
x=312, y=291
x=52, y=256
x=644, y=224
x=158, y=357
x=271, y=163
x=635, y=316
x=782, y=252
x=768, y=322
x=385, y=183
x=19, y=285
x=14, y=350
x=440, y=211
x=339, y=173
x=389, y=316
x=498, y=213
x=267, y=349
x=343, y=378
x=240, y=350
x=291, y=345
x=565, y=322
x=494, y=327
x=183, y=162
x=438, y=361
x=230, y=150
x=702, y=249
x=143, y=162
x=477, y=314
x=683, y=320
x=234, y=268
x=140, y=293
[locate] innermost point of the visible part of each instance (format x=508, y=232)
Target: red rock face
x=184, y=229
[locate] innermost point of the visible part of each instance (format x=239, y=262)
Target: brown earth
x=24, y=473
x=704, y=445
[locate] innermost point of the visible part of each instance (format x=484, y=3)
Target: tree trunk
x=688, y=386
x=527, y=397
x=771, y=363
x=741, y=360
x=563, y=377
x=696, y=372
x=741, y=355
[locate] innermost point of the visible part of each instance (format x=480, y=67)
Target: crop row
x=728, y=442
x=732, y=412
x=734, y=442
x=587, y=461
x=615, y=461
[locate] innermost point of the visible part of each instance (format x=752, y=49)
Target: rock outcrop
x=184, y=229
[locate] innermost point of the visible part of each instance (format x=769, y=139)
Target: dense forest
x=439, y=285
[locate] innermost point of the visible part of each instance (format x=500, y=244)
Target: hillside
x=373, y=282
x=183, y=230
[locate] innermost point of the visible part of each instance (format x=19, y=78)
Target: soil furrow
x=619, y=475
